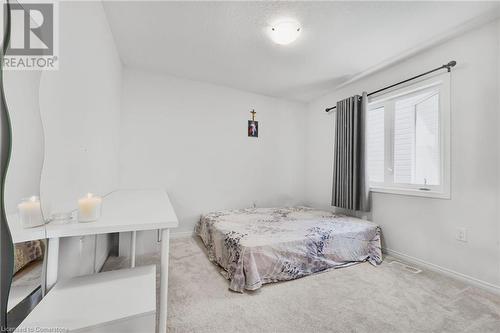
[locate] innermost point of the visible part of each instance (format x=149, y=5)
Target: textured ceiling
x=225, y=42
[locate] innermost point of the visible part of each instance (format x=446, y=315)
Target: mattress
x=256, y=246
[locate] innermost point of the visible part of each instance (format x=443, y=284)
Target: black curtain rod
x=448, y=67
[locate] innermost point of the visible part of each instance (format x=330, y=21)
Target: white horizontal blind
x=404, y=141
x=375, y=144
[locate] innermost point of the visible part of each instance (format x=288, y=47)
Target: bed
x=256, y=246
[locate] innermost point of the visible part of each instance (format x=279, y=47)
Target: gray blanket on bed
x=263, y=245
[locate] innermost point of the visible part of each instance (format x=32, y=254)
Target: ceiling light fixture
x=284, y=31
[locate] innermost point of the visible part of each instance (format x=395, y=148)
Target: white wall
x=80, y=107
x=190, y=138
x=23, y=176
x=425, y=228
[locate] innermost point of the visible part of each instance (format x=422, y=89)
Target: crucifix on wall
x=253, y=126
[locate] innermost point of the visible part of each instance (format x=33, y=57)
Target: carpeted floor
x=360, y=298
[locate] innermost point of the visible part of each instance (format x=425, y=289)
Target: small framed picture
x=253, y=128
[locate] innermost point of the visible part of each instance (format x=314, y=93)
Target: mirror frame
x=6, y=244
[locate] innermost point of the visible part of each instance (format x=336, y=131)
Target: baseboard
x=448, y=272
x=181, y=234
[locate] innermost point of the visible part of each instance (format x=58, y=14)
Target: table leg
x=95, y=253
x=52, y=263
x=165, y=235
x=132, y=249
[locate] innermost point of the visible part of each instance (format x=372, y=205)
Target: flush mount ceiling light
x=284, y=31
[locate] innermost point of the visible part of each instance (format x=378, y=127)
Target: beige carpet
x=360, y=298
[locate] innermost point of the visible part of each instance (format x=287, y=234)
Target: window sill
x=411, y=192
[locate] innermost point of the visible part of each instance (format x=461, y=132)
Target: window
x=408, y=138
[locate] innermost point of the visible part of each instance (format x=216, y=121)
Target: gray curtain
x=350, y=179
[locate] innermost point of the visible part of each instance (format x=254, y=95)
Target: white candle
x=30, y=212
x=89, y=208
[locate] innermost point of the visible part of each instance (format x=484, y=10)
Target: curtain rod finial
x=451, y=64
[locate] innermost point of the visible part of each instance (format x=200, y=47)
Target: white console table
x=122, y=211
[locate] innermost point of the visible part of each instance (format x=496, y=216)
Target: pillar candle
x=30, y=212
x=89, y=208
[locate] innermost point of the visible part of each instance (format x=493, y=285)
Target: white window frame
x=443, y=191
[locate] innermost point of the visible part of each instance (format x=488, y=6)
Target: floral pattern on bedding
x=263, y=245
x=27, y=252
